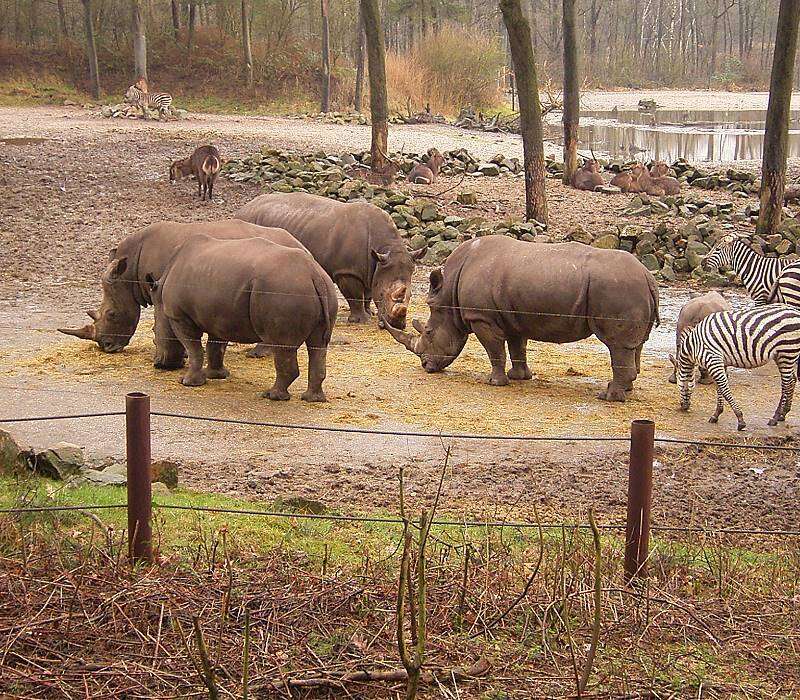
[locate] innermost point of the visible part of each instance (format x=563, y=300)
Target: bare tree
x=91, y=49
x=358, y=97
x=139, y=40
x=378, y=98
x=530, y=108
x=776, y=133
x=247, y=51
x=176, y=18
x=571, y=114
x=326, y=58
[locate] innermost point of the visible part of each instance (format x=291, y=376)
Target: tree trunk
x=571, y=91
x=530, y=109
x=176, y=19
x=247, y=51
x=190, y=33
x=62, y=20
x=91, y=50
x=358, y=98
x=139, y=41
x=378, y=99
x=776, y=132
x=326, y=58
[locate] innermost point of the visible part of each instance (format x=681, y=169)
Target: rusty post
x=137, y=439
x=640, y=496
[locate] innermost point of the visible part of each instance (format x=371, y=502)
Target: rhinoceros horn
x=85, y=333
x=409, y=340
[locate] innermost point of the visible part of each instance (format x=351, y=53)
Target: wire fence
x=389, y=520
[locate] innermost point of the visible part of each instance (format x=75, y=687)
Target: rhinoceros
x=506, y=291
x=147, y=252
x=355, y=242
x=245, y=291
x=692, y=312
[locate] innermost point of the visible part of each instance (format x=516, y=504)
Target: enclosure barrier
x=640, y=481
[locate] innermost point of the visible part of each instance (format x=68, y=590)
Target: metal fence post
x=137, y=440
x=640, y=496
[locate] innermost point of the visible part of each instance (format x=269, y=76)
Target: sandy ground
x=69, y=199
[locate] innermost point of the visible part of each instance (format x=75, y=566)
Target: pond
x=697, y=135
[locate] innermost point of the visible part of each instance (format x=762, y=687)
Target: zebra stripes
x=744, y=339
x=161, y=101
x=786, y=289
x=758, y=273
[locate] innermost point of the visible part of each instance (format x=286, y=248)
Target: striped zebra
x=758, y=273
x=744, y=339
x=161, y=101
x=786, y=289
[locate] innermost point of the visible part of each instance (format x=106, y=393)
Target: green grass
x=43, y=90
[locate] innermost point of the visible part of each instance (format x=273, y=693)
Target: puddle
x=697, y=135
x=22, y=141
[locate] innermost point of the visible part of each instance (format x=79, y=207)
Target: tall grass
x=448, y=70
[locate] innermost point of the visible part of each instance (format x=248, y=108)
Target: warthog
x=356, y=243
x=147, y=252
x=507, y=291
x=426, y=173
x=245, y=291
x=694, y=311
x=588, y=176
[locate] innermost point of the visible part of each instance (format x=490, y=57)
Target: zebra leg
x=717, y=371
x=788, y=371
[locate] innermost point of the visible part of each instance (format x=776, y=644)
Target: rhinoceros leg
x=354, y=292
x=286, y=371
x=169, y=350
x=215, y=350
x=495, y=345
x=519, y=359
x=191, y=339
x=623, y=367
x=316, y=373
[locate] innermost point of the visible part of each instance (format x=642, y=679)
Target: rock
x=579, y=235
x=608, y=189
x=608, y=240
x=784, y=247
x=11, y=455
x=165, y=471
x=650, y=262
x=681, y=265
x=695, y=252
x=97, y=478
x=489, y=169
x=429, y=213
x=417, y=241
x=667, y=273
x=158, y=488
x=645, y=247
x=453, y=220
x=439, y=252
x=60, y=461
x=640, y=211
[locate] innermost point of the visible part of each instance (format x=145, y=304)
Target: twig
x=598, y=617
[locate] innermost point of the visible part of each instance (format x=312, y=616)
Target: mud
x=71, y=198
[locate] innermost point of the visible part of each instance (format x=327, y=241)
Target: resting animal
x=588, y=176
x=426, y=173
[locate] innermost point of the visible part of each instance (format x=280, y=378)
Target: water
x=697, y=135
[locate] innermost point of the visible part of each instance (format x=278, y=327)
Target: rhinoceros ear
x=436, y=281
x=118, y=268
x=382, y=258
x=112, y=254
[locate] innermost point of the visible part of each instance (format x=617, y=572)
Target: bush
x=448, y=70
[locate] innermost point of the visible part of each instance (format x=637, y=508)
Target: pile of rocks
x=678, y=205
x=676, y=251
x=123, y=110
x=72, y=465
x=736, y=181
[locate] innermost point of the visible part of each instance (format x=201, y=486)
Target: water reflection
x=697, y=135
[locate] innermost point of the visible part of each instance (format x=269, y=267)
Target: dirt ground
x=69, y=198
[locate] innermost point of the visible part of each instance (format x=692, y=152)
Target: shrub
x=449, y=69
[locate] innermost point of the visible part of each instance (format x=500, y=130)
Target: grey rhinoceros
x=147, y=252
x=245, y=291
x=355, y=242
x=506, y=291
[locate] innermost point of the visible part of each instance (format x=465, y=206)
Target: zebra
x=786, y=289
x=758, y=273
x=744, y=339
x=161, y=101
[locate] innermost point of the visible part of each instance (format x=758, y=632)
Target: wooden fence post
x=640, y=497
x=137, y=441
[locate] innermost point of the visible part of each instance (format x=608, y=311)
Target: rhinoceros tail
x=651, y=281
x=328, y=309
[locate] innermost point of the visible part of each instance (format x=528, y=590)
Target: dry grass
x=448, y=70
x=714, y=619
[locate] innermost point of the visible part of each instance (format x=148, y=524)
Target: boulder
x=60, y=461
x=579, y=235
x=429, y=213
x=489, y=169
x=695, y=252
x=165, y=471
x=11, y=455
x=107, y=477
x=439, y=252
x=667, y=273
x=650, y=261
x=608, y=240
x=417, y=241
